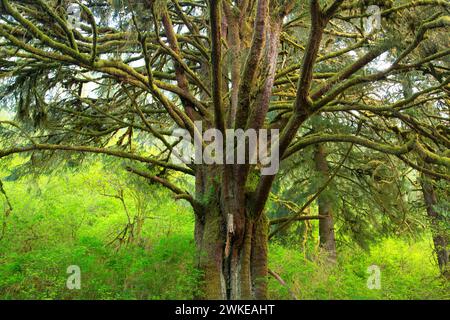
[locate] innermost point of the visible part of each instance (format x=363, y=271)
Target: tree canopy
x=368, y=79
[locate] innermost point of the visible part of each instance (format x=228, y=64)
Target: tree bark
x=326, y=224
x=439, y=232
x=233, y=266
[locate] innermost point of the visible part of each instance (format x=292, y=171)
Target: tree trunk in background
x=326, y=225
x=439, y=232
x=233, y=266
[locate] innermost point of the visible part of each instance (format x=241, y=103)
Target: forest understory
x=71, y=218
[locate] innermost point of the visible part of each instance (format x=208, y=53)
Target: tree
x=326, y=224
x=439, y=225
x=229, y=64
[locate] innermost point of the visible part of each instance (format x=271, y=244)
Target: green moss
x=252, y=181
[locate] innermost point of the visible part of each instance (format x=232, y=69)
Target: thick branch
x=88, y=149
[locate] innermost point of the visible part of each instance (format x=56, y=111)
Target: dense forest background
x=70, y=217
x=95, y=204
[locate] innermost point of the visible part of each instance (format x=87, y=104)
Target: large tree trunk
x=439, y=232
x=326, y=225
x=233, y=265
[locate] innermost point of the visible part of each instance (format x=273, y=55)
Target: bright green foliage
x=64, y=220
x=408, y=271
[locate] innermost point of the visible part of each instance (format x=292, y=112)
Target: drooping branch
x=320, y=138
x=293, y=218
x=296, y=218
x=424, y=170
x=351, y=69
x=39, y=34
x=96, y=150
x=181, y=194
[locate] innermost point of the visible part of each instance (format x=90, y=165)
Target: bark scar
x=230, y=232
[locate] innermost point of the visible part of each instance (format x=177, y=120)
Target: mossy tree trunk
x=439, y=231
x=326, y=224
x=233, y=261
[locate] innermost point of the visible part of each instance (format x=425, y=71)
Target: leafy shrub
x=407, y=272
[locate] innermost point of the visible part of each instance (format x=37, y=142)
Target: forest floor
x=74, y=218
